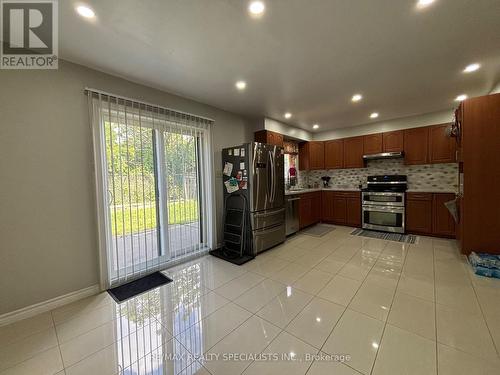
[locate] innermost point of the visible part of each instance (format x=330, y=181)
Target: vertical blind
x=153, y=168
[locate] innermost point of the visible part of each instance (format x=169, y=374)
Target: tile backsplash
x=429, y=177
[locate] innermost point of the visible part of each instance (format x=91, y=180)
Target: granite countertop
x=431, y=191
x=332, y=188
x=344, y=188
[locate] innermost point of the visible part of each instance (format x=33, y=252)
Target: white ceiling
x=304, y=56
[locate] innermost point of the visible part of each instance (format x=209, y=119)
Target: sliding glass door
x=155, y=186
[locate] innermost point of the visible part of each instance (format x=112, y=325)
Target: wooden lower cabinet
x=443, y=223
x=342, y=208
x=309, y=209
x=339, y=210
x=327, y=206
x=353, y=211
x=426, y=214
x=419, y=213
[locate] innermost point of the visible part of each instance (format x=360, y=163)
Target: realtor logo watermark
x=29, y=34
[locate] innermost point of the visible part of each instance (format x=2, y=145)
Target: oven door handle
x=384, y=209
x=384, y=194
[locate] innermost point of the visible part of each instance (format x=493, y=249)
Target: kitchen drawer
x=264, y=239
x=347, y=194
x=268, y=218
x=311, y=195
x=419, y=196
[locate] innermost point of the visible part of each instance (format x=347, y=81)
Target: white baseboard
x=41, y=307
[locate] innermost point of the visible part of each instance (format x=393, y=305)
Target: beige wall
x=48, y=235
x=389, y=125
x=496, y=89
x=287, y=130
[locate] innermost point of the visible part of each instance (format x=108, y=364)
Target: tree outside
x=131, y=181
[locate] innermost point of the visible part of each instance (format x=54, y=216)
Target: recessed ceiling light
x=374, y=115
x=85, y=11
x=315, y=126
x=424, y=3
x=357, y=97
x=287, y=115
x=472, y=68
x=241, y=85
x=461, y=98
x=256, y=8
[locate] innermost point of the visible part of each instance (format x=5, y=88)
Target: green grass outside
x=136, y=219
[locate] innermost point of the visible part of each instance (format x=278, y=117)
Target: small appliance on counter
x=383, y=203
x=326, y=181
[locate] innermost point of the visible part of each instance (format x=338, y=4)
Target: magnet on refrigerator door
x=228, y=168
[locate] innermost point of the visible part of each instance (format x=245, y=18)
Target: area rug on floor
x=407, y=238
x=318, y=230
x=126, y=291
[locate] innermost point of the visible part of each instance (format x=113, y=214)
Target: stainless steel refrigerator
x=256, y=171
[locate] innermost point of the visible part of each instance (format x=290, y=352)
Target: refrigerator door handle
x=273, y=180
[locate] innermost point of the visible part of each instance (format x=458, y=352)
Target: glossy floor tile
x=316, y=321
x=337, y=304
x=402, y=352
x=361, y=347
x=413, y=314
x=287, y=355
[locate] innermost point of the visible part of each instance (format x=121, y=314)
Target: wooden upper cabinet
x=353, y=152
x=334, y=154
x=317, y=160
x=442, y=147
x=393, y=141
x=416, y=142
x=443, y=223
x=304, y=156
x=311, y=155
x=372, y=144
x=269, y=137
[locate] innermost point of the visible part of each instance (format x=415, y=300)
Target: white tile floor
x=377, y=307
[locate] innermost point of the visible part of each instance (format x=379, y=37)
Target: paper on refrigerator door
x=230, y=188
x=228, y=168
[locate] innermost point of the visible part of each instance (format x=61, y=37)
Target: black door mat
x=231, y=257
x=126, y=291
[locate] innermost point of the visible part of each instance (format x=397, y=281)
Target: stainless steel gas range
x=383, y=203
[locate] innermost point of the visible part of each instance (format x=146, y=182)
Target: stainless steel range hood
x=384, y=155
